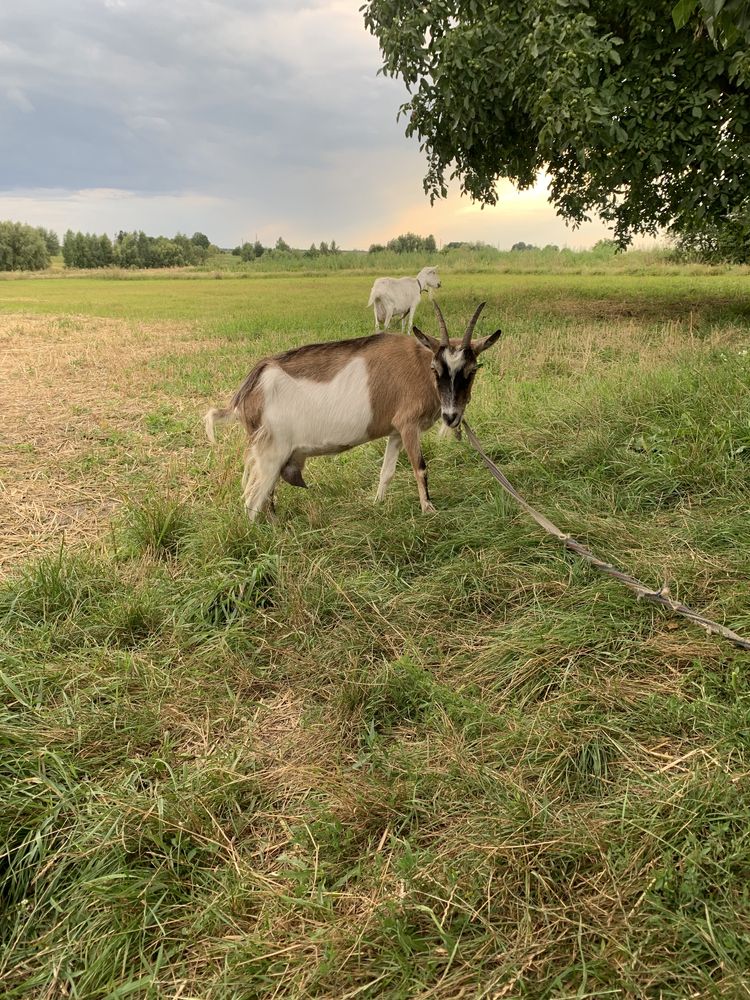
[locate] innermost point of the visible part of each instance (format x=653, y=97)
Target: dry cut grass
x=74, y=393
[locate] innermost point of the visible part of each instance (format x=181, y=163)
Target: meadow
x=359, y=751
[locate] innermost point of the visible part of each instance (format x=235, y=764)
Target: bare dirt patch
x=70, y=388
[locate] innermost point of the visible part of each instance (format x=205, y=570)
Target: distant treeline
x=30, y=248
x=26, y=248
x=256, y=250
x=136, y=250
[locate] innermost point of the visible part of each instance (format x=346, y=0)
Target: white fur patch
x=454, y=360
x=317, y=418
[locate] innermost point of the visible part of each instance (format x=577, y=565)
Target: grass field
x=363, y=752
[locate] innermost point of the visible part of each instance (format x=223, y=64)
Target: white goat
x=326, y=398
x=400, y=297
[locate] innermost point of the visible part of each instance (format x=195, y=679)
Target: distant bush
x=605, y=248
x=249, y=251
x=474, y=247
x=725, y=244
x=22, y=248
x=411, y=243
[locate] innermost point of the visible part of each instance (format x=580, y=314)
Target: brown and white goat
x=326, y=398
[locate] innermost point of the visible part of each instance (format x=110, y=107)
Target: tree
x=282, y=245
x=250, y=251
x=80, y=256
x=637, y=120
x=376, y=248
x=51, y=240
x=725, y=20
x=430, y=245
x=523, y=246
x=106, y=255
x=126, y=250
x=22, y=248
x=67, y=248
x=143, y=244
x=246, y=252
x=200, y=240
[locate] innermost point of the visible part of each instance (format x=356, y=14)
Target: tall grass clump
x=156, y=526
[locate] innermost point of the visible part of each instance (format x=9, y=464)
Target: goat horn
x=472, y=323
x=444, y=341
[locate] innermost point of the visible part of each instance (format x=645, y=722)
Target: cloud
x=272, y=110
x=16, y=97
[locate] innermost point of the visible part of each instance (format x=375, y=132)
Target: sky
x=241, y=119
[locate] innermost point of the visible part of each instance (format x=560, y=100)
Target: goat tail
x=371, y=300
x=216, y=415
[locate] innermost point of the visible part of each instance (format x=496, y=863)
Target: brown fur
x=248, y=400
x=390, y=408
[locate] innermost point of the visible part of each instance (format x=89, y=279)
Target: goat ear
x=481, y=345
x=426, y=340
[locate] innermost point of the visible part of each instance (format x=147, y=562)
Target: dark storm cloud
x=160, y=97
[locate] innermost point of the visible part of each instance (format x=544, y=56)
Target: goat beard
x=444, y=430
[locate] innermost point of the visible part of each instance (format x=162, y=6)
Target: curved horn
x=444, y=342
x=472, y=323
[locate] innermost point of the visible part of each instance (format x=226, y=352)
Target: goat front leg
x=411, y=438
x=388, y=468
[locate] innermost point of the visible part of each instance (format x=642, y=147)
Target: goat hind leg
x=248, y=469
x=259, y=490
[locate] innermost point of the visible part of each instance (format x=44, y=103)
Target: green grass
x=362, y=752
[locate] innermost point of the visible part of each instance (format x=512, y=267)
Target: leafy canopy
x=22, y=248
x=636, y=119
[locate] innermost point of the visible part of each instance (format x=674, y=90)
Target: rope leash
x=660, y=597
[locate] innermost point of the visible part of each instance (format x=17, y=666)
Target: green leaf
x=681, y=12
